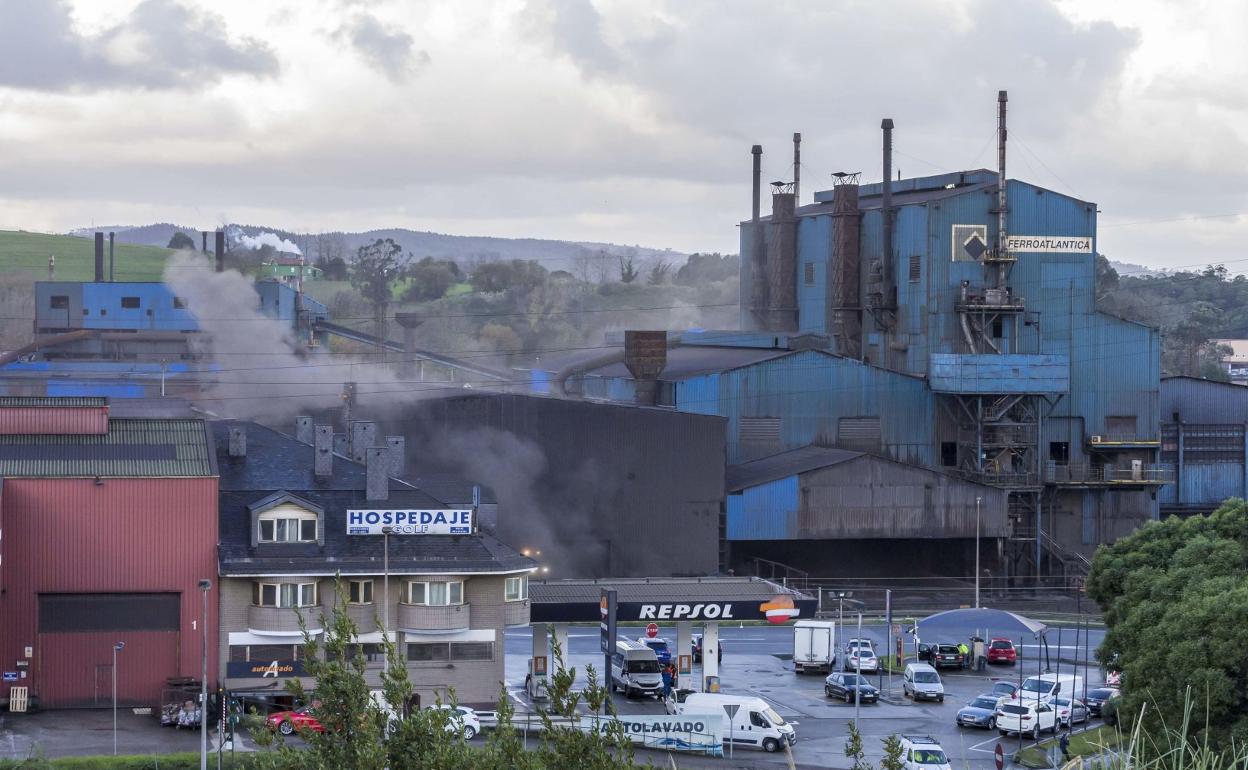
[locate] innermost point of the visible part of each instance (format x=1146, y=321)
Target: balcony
x=1111, y=442
x=281, y=620
x=419, y=617
x=363, y=615
x=516, y=613
x=1005, y=480
x=1095, y=475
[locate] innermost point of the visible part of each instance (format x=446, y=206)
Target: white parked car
x=860, y=653
x=923, y=752
x=462, y=719
x=1026, y=718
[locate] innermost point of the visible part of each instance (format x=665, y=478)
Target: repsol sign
x=691, y=611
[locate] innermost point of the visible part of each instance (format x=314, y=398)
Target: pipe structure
x=797, y=168
x=1002, y=98
x=758, y=258
x=886, y=212
x=110, y=257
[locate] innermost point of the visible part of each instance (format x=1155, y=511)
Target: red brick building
x=106, y=528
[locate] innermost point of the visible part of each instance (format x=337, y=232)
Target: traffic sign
x=731, y=709
x=652, y=630
x=999, y=756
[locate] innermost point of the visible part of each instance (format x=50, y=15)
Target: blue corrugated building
x=941, y=342
x=1204, y=434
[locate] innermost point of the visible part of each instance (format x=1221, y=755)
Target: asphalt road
x=756, y=663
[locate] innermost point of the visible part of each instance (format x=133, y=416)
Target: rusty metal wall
x=53, y=421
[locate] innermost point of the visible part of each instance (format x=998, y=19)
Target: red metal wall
x=51, y=420
x=123, y=535
x=76, y=669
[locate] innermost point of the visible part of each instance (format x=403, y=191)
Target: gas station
x=682, y=602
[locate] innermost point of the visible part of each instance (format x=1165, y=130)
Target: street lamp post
x=978, y=501
x=385, y=591
x=118, y=647
x=204, y=587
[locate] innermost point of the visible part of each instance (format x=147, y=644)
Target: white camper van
x=753, y=722
x=814, y=646
x=635, y=670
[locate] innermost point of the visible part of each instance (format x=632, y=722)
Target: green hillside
x=75, y=257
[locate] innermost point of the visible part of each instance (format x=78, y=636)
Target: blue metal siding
x=156, y=309
x=1115, y=370
x=109, y=389
x=814, y=243
x=699, y=395
x=992, y=373
x=765, y=512
x=1203, y=401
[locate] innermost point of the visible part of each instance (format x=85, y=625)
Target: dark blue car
x=659, y=645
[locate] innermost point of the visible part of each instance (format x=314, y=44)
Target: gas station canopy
x=715, y=599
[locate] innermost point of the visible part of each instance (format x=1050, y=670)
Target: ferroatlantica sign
x=697, y=733
x=440, y=522
x=1049, y=244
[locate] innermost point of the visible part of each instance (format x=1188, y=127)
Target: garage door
x=77, y=633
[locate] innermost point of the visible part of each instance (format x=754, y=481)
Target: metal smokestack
x=220, y=251
x=757, y=151
x=204, y=240
x=758, y=257
x=886, y=215
x=1002, y=98
x=110, y=257
x=797, y=168
x=99, y=257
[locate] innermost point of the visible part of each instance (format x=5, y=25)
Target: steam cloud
x=280, y=244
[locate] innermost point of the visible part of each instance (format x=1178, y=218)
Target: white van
x=814, y=646
x=1046, y=687
x=753, y=723
x=921, y=681
x=635, y=670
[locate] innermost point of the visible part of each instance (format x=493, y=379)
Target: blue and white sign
x=695, y=733
x=10, y=676
x=439, y=522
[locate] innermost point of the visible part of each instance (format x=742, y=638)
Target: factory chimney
x=797, y=168
x=758, y=258
x=220, y=251
x=110, y=256
x=203, y=237
x=886, y=210
x=99, y=257
x=645, y=356
x=845, y=322
x=1002, y=98
x=782, y=260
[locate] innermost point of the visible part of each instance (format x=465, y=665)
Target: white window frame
x=365, y=588
x=522, y=592
x=282, y=519
x=453, y=593
x=284, y=593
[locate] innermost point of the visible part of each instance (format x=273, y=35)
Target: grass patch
x=25, y=252
x=1082, y=744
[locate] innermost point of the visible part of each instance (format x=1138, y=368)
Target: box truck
x=814, y=646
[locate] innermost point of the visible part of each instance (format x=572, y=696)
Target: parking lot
x=754, y=662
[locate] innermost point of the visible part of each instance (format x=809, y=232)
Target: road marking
x=993, y=741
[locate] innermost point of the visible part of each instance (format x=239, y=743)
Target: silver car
x=981, y=712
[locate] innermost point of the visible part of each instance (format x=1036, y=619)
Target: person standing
x=667, y=681
x=965, y=652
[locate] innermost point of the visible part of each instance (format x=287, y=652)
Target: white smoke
x=278, y=243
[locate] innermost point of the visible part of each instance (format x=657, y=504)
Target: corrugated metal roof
x=783, y=465
x=135, y=448
x=52, y=401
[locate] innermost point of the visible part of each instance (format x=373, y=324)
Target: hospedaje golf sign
x=409, y=522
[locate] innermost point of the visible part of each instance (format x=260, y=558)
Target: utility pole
x=385, y=595
x=205, y=586
x=978, y=501
x=118, y=647
x=858, y=674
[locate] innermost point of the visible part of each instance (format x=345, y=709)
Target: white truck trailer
x=814, y=646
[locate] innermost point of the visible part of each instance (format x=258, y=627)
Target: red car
x=1002, y=651
x=288, y=722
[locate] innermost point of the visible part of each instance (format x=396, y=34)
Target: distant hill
x=27, y=253
x=553, y=254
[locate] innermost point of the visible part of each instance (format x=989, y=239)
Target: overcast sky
x=625, y=121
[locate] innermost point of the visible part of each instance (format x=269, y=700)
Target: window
x=472, y=651
x=59, y=302
x=360, y=592
x=238, y=653
x=130, y=303
x=758, y=720
x=949, y=454
x=287, y=525
x=283, y=594
x=428, y=652
x=371, y=653
x=808, y=276
x=998, y=329
x=179, y=303
x=916, y=268
x=517, y=589
x=1059, y=452
x=267, y=652
x=435, y=594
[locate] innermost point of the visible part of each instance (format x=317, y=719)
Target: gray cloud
x=392, y=51
x=161, y=44
x=572, y=28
